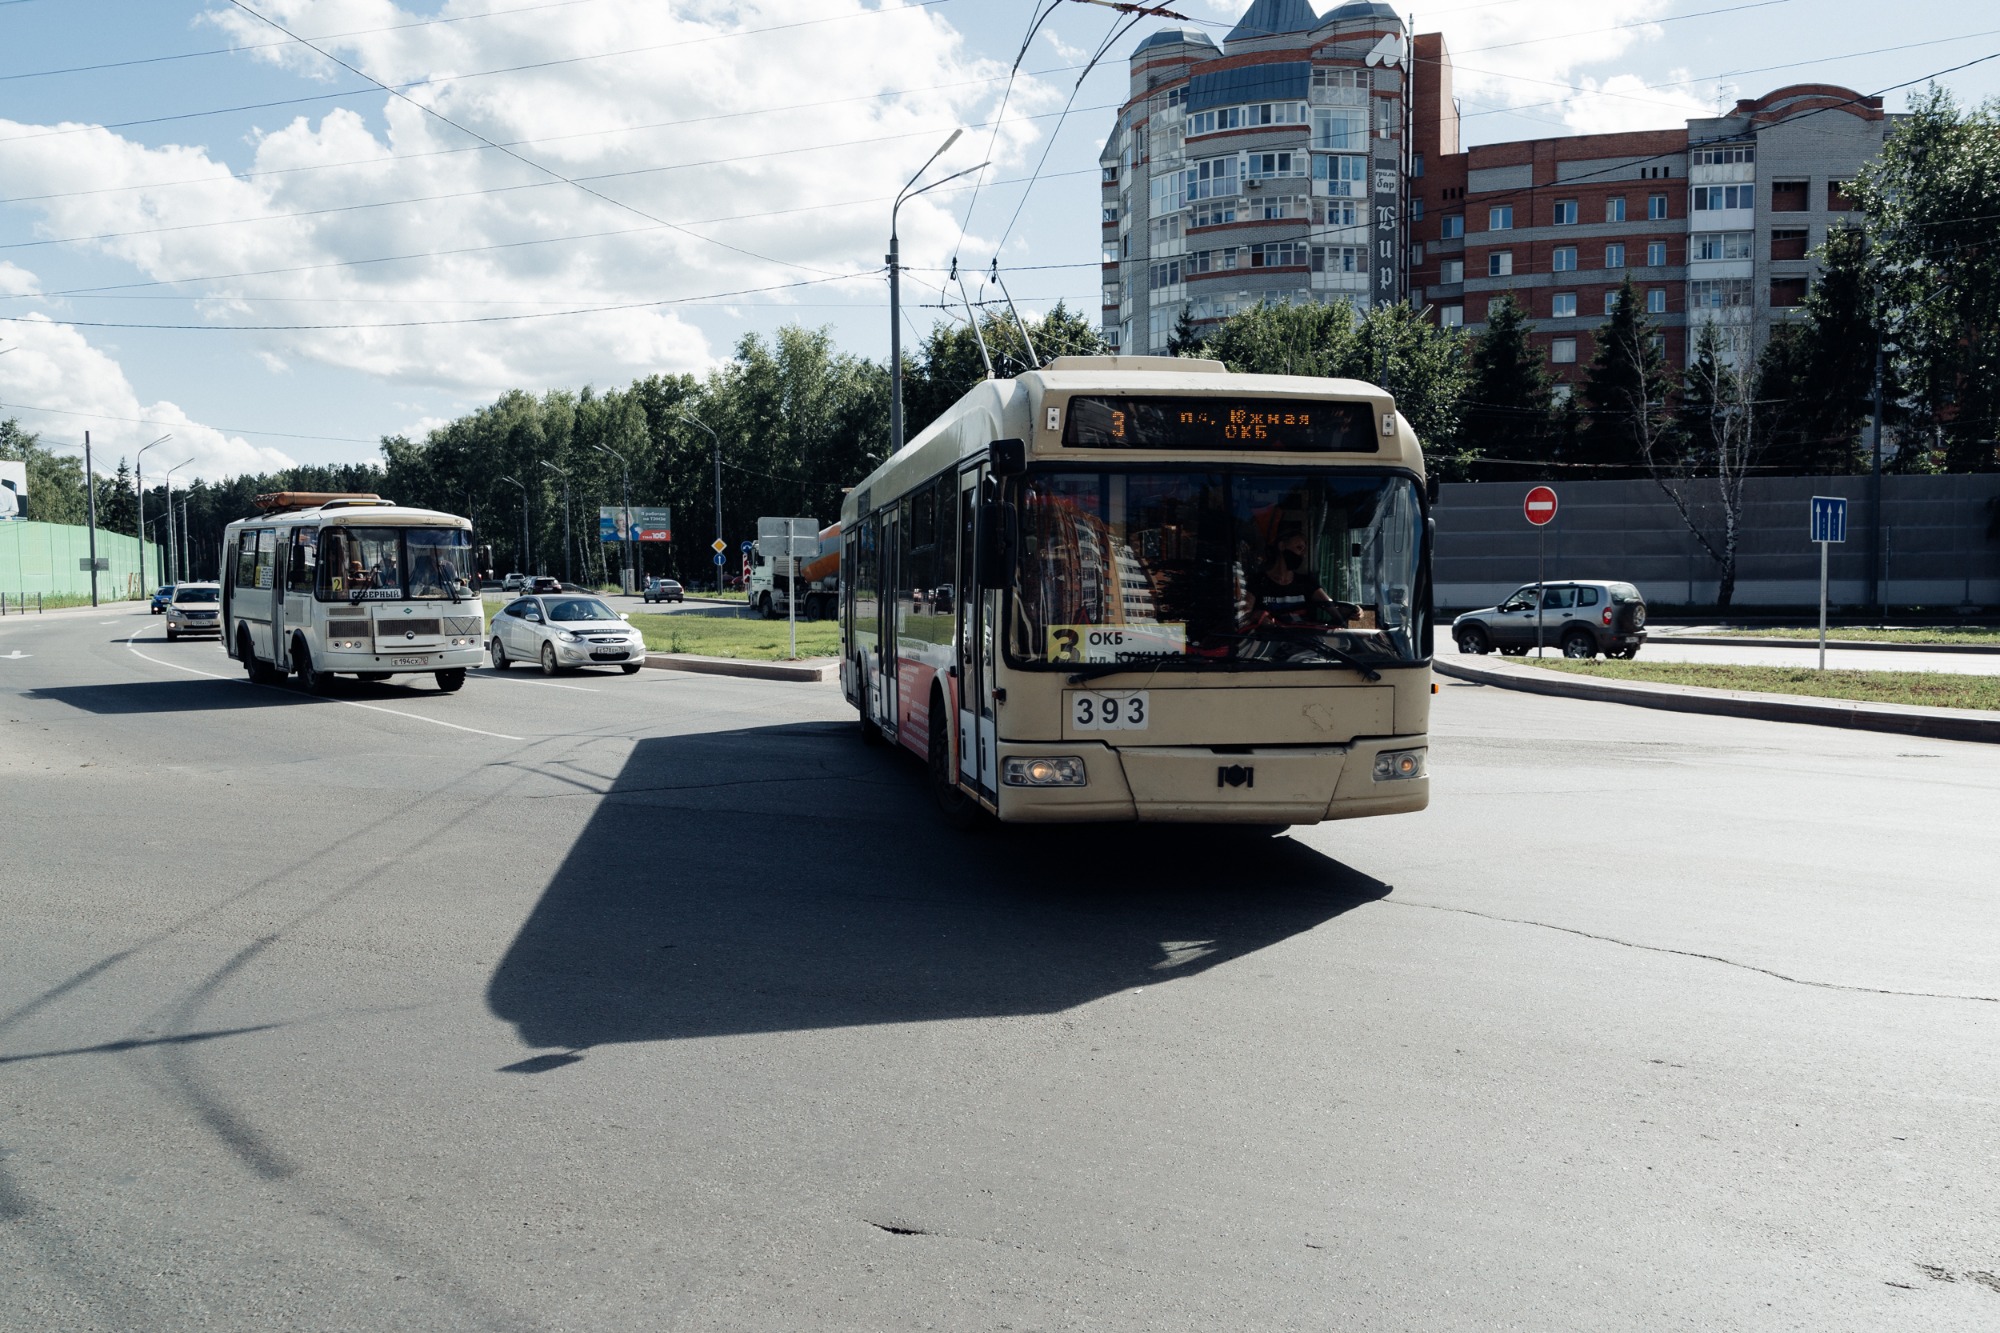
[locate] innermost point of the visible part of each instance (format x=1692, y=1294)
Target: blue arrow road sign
x=1829, y=518
x=718, y=557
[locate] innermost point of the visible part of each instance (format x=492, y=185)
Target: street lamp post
x=696, y=421
x=894, y=258
x=139, y=464
x=625, y=471
x=527, y=554
x=173, y=550
x=564, y=472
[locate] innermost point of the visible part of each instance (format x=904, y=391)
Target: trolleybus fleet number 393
x=1137, y=588
x=320, y=584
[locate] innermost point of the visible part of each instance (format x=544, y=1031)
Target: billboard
x=13, y=489
x=649, y=524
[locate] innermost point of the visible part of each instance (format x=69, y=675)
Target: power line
x=1000, y=116
x=519, y=157
x=184, y=424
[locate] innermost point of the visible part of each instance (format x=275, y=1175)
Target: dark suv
x=1583, y=618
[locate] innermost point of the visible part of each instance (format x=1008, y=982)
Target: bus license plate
x=409, y=661
x=1110, y=712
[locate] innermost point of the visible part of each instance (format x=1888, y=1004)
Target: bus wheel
x=959, y=810
x=450, y=680
x=312, y=681
x=870, y=733
x=253, y=667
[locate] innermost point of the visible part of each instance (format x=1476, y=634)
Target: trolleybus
x=1139, y=588
x=323, y=584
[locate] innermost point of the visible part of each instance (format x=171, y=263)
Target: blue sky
x=769, y=133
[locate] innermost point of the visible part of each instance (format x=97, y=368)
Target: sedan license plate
x=409, y=661
x=1110, y=712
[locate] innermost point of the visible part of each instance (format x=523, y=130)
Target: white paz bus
x=1141, y=588
x=321, y=584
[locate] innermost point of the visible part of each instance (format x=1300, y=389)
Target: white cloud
x=731, y=177
x=14, y=280
x=59, y=385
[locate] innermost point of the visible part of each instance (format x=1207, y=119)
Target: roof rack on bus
x=279, y=501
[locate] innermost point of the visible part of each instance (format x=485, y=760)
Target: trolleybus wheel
x=450, y=679
x=549, y=667
x=870, y=733
x=959, y=810
x=311, y=680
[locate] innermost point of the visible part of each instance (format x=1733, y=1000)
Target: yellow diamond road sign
x=719, y=545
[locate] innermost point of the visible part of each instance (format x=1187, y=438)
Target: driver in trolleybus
x=1285, y=592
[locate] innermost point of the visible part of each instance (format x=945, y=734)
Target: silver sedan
x=563, y=633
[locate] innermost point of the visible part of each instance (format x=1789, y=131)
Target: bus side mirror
x=1431, y=487
x=1010, y=458
x=996, y=544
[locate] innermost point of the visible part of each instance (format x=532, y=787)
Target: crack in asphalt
x=1690, y=953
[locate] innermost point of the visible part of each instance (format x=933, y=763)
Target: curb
x=1867, y=645
x=1950, y=724
x=811, y=669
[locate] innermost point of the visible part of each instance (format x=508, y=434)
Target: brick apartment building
x=1317, y=158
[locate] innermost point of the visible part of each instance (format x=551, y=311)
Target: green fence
x=44, y=558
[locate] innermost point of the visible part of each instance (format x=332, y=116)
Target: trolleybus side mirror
x=996, y=544
x=1010, y=458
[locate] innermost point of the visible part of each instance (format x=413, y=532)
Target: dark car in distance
x=664, y=590
x=161, y=596
x=1583, y=617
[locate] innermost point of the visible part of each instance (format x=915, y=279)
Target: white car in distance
x=196, y=608
x=563, y=633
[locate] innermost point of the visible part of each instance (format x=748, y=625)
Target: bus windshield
x=1218, y=565
x=394, y=563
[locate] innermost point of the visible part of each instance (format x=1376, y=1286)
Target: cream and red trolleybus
x=1142, y=588
x=322, y=584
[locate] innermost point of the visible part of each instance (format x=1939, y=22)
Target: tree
x=949, y=363
x=1628, y=419
x=55, y=483
x=117, y=502
x=1185, y=340
x=1289, y=338
x=1720, y=439
x=1509, y=415
x=1932, y=207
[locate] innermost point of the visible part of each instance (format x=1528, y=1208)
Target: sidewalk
x=31, y=615
x=1955, y=724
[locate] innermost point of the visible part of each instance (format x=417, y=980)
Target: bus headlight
x=1063, y=772
x=463, y=643
x=1399, y=765
x=347, y=643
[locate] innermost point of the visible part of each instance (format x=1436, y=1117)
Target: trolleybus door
x=883, y=696
x=976, y=750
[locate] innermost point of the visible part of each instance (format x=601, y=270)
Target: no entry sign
x=1540, y=506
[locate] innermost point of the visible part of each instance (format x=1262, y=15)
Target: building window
x=1559, y=393
x=1656, y=206
x=1166, y=274
x=1343, y=80
x=1710, y=198
x=1278, y=254
x=1345, y=176
x=1565, y=212
x=1264, y=166
x=1340, y=131
x=1790, y=196
x=1838, y=200
x=1614, y=255
x=1656, y=301
x=1335, y=213
x=1339, y=259
x=1564, y=259
x=1451, y=270
x=1111, y=175
x=1417, y=168
x=1562, y=351
x=1721, y=245
x=1500, y=264
x=1110, y=216
x=1562, y=305
x=1656, y=254
x=1725, y=155
x=1611, y=301
x=1452, y=226
x=1787, y=293
x=1788, y=244
x=1417, y=254
x=1614, y=209
x=1111, y=252
x=1451, y=316
x=1659, y=343
x=1501, y=218
x=1417, y=208
x=1493, y=305
x=1719, y=294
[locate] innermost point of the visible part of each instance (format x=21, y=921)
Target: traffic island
x=811, y=669
x=1959, y=724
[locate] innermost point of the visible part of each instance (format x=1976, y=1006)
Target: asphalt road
x=660, y=1002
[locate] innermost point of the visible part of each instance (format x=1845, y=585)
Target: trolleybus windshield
x=1220, y=565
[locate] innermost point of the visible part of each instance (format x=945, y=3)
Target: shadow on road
x=214, y=695
x=785, y=878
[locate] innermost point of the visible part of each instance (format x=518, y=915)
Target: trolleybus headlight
x=1063, y=772
x=1398, y=765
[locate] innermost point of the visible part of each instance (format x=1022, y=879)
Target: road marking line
x=373, y=708
x=489, y=674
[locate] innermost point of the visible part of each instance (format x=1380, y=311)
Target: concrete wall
x=1941, y=542
x=42, y=558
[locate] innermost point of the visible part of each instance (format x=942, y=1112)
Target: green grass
x=1987, y=636
x=1932, y=689
x=727, y=636
x=52, y=601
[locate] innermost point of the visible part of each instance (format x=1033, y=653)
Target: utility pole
x=691, y=419
x=1877, y=593
x=173, y=540
x=566, y=542
x=139, y=463
x=90, y=492
x=527, y=553
x=894, y=260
